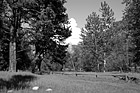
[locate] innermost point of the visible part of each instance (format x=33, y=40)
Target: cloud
x=74, y=39
x=73, y=22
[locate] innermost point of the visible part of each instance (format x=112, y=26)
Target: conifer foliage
x=40, y=23
x=132, y=17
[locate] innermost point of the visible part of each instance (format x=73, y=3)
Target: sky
x=78, y=11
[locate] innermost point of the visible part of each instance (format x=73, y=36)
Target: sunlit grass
x=76, y=84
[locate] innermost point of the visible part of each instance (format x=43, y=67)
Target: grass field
x=67, y=82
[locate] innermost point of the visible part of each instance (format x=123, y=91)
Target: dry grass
x=82, y=83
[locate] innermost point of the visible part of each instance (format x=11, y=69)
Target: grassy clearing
x=70, y=83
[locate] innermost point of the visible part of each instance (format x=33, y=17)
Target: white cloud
x=76, y=31
x=73, y=22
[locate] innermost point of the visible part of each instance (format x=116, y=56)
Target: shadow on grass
x=17, y=82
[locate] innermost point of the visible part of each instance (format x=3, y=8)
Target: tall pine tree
x=46, y=27
x=132, y=17
x=107, y=19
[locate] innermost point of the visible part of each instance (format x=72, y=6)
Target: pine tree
x=90, y=38
x=46, y=30
x=107, y=19
x=132, y=17
x=97, y=36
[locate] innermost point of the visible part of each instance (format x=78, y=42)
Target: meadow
x=67, y=82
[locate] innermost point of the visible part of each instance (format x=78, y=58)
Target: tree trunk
x=12, y=52
x=104, y=62
x=135, y=67
x=13, y=56
x=73, y=65
x=34, y=63
x=13, y=37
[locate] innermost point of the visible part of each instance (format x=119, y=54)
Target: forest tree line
x=32, y=35
x=107, y=44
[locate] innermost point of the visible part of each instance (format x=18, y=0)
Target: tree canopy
x=41, y=23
